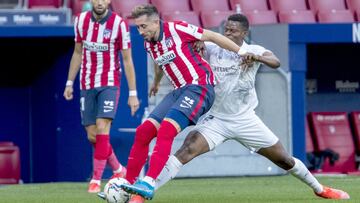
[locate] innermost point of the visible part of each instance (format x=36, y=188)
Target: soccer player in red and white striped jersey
x=100, y=35
x=170, y=44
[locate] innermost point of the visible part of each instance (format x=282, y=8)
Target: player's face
x=148, y=27
x=99, y=7
x=234, y=31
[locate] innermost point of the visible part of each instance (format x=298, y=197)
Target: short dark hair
x=242, y=19
x=144, y=9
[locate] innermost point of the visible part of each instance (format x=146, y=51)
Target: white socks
x=170, y=170
x=149, y=180
x=301, y=172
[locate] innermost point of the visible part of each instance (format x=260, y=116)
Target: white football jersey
x=235, y=89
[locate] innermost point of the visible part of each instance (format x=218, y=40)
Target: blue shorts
x=191, y=100
x=100, y=102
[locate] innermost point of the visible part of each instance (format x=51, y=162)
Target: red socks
x=166, y=134
x=102, y=149
x=140, y=149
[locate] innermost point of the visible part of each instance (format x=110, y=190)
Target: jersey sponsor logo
x=165, y=58
x=108, y=106
x=186, y=102
x=95, y=47
x=107, y=34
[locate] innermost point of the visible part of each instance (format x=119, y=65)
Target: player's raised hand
x=154, y=89
x=133, y=103
x=68, y=93
x=248, y=60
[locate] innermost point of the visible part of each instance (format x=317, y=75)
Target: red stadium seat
x=9, y=164
x=287, y=5
x=247, y=5
x=189, y=17
x=44, y=4
x=171, y=5
x=126, y=6
x=209, y=5
x=261, y=17
x=77, y=6
x=295, y=16
x=326, y=5
x=336, y=16
x=331, y=130
x=353, y=5
x=214, y=18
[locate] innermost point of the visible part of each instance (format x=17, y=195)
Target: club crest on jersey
x=169, y=42
x=165, y=58
x=107, y=33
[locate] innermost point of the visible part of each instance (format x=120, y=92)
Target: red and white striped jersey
x=102, y=40
x=174, y=53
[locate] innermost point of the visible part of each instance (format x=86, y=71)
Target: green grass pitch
x=212, y=190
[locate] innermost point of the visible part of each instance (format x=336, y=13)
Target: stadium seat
x=310, y=147
x=331, y=130
x=335, y=16
x=126, y=6
x=41, y=4
x=353, y=5
x=171, y=5
x=77, y=6
x=209, y=5
x=326, y=5
x=247, y=5
x=261, y=17
x=9, y=164
x=297, y=16
x=287, y=5
x=213, y=19
x=189, y=16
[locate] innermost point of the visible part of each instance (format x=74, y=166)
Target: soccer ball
x=113, y=192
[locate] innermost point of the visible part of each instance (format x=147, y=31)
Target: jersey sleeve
x=76, y=30
x=188, y=32
x=125, y=41
x=258, y=50
x=209, y=49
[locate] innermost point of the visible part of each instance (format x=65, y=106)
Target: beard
x=99, y=13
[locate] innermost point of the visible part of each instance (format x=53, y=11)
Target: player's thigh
x=88, y=107
x=107, y=101
x=212, y=129
x=164, y=106
x=252, y=133
x=194, y=101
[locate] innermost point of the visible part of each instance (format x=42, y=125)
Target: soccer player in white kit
x=232, y=115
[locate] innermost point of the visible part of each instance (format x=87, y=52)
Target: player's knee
x=103, y=126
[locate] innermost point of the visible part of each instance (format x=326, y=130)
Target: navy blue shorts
x=100, y=102
x=191, y=100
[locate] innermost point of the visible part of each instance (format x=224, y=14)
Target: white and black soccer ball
x=113, y=192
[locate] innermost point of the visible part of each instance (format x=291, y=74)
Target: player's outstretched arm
x=221, y=41
x=133, y=100
x=73, y=70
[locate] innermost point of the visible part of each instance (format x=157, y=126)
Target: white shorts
x=250, y=131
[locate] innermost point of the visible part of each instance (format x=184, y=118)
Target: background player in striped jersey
x=99, y=37
x=170, y=45
x=233, y=117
